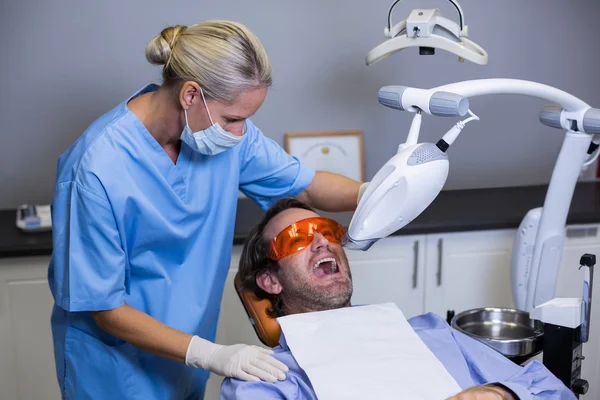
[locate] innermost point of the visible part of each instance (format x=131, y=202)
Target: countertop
x=451, y=211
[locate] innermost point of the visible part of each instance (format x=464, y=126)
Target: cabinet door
x=234, y=326
x=390, y=271
x=583, y=239
x=26, y=352
x=468, y=270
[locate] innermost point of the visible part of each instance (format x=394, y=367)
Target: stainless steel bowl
x=508, y=331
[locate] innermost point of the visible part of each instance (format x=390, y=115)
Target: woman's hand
x=241, y=361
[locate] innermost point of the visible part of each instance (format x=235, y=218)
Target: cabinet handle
x=573, y=233
x=439, y=269
x=415, y=264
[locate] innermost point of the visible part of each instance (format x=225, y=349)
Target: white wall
x=63, y=63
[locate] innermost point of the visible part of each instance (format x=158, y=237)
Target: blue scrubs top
x=129, y=225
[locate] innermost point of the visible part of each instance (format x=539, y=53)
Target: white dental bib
x=365, y=352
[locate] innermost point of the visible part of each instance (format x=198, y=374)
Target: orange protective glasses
x=300, y=234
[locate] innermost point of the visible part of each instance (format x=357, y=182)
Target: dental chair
x=267, y=329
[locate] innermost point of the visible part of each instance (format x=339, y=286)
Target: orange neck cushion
x=267, y=328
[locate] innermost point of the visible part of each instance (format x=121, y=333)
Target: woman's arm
x=144, y=332
x=331, y=192
x=241, y=361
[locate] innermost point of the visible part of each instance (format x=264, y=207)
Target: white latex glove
x=248, y=363
x=361, y=191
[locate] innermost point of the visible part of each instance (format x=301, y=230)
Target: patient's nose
x=318, y=241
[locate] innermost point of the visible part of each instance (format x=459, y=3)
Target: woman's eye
x=231, y=121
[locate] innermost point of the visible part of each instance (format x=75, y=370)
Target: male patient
x=309, y=271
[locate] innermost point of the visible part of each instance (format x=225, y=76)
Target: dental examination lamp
x=428, y=30
x=410, y=181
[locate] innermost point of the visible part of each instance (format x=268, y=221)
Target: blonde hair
x=223, y=57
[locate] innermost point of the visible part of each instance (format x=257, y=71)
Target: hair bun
x=159, y=49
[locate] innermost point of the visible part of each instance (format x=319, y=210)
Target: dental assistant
x=143, y=216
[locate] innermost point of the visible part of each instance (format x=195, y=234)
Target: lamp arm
x=535, y=272
x=480, y=87
x=411, y=180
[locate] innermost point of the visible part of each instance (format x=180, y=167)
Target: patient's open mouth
x=325, y=266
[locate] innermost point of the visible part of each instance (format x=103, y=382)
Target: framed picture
x=340, y=152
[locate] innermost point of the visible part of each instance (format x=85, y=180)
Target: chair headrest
x=267, y=328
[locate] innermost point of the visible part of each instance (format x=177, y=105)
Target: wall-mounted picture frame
x=340, y=152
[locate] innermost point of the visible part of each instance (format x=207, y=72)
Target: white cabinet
x=393, y=270
x=583, y=239
x=580, y=239
x=234, y=326
x=468, y=270
x=419, y=273
x=26, y=353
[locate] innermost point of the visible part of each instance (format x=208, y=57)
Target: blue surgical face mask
x=210, y=141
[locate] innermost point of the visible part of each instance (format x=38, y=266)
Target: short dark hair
x=255, y=260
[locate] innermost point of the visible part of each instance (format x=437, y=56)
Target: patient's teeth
x=327, y=259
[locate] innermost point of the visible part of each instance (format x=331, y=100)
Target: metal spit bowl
x=508, y=331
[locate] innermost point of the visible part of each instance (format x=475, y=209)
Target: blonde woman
x=143, y=218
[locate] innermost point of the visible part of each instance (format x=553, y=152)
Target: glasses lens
x=299, y=235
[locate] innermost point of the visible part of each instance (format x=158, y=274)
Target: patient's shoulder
x=428, y=321
x=295, y=386
x=234, y=389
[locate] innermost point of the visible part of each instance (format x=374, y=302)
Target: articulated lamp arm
x=407, y=184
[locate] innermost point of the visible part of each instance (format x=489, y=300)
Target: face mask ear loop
x=186, y=120
x=205, y=106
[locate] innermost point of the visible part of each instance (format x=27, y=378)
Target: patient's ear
x=269, y=282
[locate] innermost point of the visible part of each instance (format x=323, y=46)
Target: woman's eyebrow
x=230, y=116
x=234, y=116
